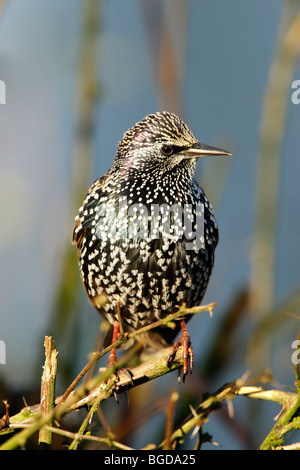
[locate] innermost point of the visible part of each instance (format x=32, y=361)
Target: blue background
x=216, y=78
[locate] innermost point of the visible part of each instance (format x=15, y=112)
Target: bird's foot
x=188, y=353
x=118, y=375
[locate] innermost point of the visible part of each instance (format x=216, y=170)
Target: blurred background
x=78, y=75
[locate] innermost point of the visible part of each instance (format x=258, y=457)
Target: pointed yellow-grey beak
x=202, y=150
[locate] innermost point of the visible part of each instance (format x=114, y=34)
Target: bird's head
x=161, y=139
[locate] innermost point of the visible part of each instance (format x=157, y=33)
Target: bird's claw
x=188, y=354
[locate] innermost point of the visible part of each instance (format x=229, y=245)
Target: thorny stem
x=68, y=400
x=100, y=388
x=124, y=338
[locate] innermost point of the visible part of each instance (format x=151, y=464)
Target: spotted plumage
x=146, y=232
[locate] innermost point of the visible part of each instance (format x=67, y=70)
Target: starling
x=146, y=233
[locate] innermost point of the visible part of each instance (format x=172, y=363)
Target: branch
x=40, y=418
x=182, y=311
x=102, y=386
x=290, y=402
x=48, y=388
x=98, y=388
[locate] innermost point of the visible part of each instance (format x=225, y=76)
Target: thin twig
x=84, y=425
x=169, y=419
x=72, y=435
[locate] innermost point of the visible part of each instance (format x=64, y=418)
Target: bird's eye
x=167, y=150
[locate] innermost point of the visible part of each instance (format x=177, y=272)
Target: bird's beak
x=202, y=150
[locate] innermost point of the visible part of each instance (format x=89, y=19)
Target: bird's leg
x=116, y=330
x=112, y=359
x=112, y=356
x=188, y=353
